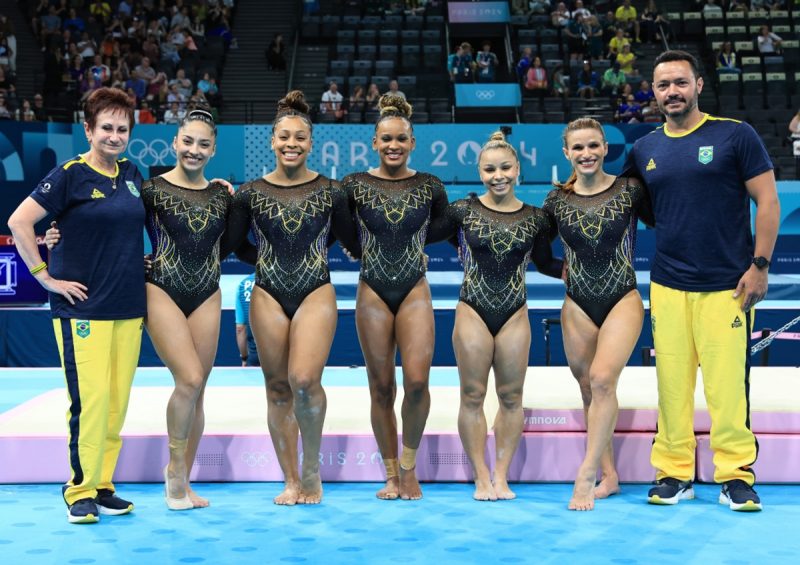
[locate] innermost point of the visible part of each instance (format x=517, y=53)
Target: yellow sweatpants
x=712, y=330
x=99, y=358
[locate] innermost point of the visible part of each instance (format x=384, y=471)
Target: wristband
x=39, y=268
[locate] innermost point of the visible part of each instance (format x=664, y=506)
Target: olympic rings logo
x=255, y=459
x=484, y=94
x=149, y=154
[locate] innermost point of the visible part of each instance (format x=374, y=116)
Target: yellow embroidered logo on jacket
x=651, y=165
x=97, y=194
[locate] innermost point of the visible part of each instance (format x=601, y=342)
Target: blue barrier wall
x=29, y=150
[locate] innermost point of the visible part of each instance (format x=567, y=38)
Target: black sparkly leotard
x=293, y=227
x=495, y=248
x=392, y=218
x=599, y=234
x=185, y=226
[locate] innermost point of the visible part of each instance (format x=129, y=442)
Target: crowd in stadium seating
x=166, y=54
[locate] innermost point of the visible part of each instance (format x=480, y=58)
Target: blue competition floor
x=352, y=526
x=447, y=526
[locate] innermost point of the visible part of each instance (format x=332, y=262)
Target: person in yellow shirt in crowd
x=628, y=19
x=616, y=43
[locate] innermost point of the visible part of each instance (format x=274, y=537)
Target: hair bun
x=294, y=100
x=497, y=136
x=392, y=104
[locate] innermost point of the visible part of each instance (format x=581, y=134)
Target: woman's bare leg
x=271, y=332
x=375, y=325
x=204, y=324
x=511, y=346
x=615, y=342
x=310, y=339
x=474, y=348
x=172, y=339
x=414, y=331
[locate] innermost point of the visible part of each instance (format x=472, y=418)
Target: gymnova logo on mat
x=706, y=154
x=538, y=420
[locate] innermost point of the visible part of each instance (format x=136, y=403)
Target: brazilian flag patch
x=132, y=187
x=82, y=328
x=706, y=154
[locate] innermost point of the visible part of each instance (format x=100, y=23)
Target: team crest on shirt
x=706, y=154
x=82, y=328
x=651, y=165
x=132, y=188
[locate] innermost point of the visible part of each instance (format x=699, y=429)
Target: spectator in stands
x=588, y=81
x=520, y=8
x=394, y=89
x=124, y=9
x=101, y=11
x=144, y=71
x=536, y=82
x=772, y=5
x=560, y=17
x=654, y=23
x=610, y=25
x=626, y=60
x=183, y=83
x=275, y=57
x=53, y=71
x=524, y=63
x=100, y=70
x=486, y=62
x=5, y=54
x=357, y=99
x=73, y=22
x=198, y=28
x=559, y=81
x=575, y=37
x=5, y=84
x=137, y=85
x=736, y=6
x=175, y=95
x=651, y=114
x=712, y=7
x=539, y=7
x=50, y=25
x=629, y=111
x=74, y=75
x=452, y=63
x=38, y=108
x=593, y=32
x=26, y=113
x=174, y=114
x=332, y=101
x=464, y=64
x=616, y=43
x=726, y=60
x=180, y=18
x=5, y=114
x=768, y=42
x=645, y=94
x=373, y=96
x=86, y=47
x=628, y=19
x=7, y=32
x=208, y=84
x=613, y=80
x=145, y=115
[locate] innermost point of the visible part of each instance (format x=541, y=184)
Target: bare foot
x=503, y=491
x=289, y=496
x=177, y=484
x=197, y=500
x=583, y=492
x=484, y=490
x=609, y=485
x=409, y=485
x=310, y=489
x=391, y=490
